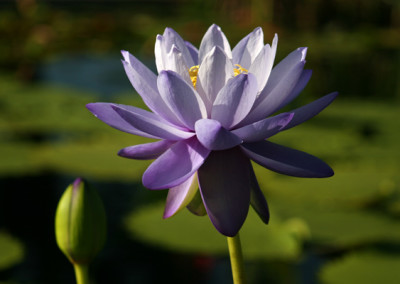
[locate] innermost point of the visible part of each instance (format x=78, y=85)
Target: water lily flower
x=211, y=113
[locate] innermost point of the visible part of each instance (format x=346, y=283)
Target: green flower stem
x=236, y=256
x=81, y=273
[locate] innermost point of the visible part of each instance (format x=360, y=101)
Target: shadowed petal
x=300, y=85
x=263, y=129
x=196, y=206
x=257, y=198
x=107, y=114
x=146, y=151
x=212, y=38
x=213, y=136
x=150, y=123
x=235, y=100
x=183, y=100
x=285, y=160
x=145, y=83
x=248, y=48
x=224, y=182
x=176, y=165
x=194, y=52
x=179, y=196
x=215, y=70
x=310, y=110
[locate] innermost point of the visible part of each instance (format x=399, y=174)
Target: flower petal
x=175, y=61
x=164, y=45
x=300, y=85
x=183, y=100
x=248, y=48
x=278, y=89
x=310, y=110
x=212, y=38
x=194, y=52
x=145, y=83
x=214, y=137
x=181, y=195
x=257, y=198
x=196, y=206
x=235, y=100
x=285, y=160
x=215, y=70
x=146, y=151
x=262, y=65
x=150, y=123
x=224, y=182
x=107, y=114
x=263, y=129
x=176, y=165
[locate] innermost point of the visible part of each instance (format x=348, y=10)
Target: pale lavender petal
x=212, y=38
x=245, y=52
x=215, y=70
x=270, y=100
x=159, y=53
x=285, y=160
x=171, y=38
x=146, y=151
x=262, y=65
x=183, y=100
x=263, y=129
x=194, y=52
x=214, y=137
x=180, y=196
x=107, y=114
x=301, y=84
x=235, y=100
x=257, y=198
x=224, y=182
x=174, y=60
x=310, y=110
x=176, y=165
x=145, y=83
x=150, y=123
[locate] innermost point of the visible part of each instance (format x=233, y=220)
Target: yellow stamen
x=194, y=70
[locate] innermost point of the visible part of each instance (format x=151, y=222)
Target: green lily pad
x=364, y=267
x=11, y=251
x=189, y=233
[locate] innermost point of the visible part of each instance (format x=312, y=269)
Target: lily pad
x=368, y=267
x=192, y=234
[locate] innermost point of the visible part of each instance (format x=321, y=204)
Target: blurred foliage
x=11, y=251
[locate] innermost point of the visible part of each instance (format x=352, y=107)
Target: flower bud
x=80, y=223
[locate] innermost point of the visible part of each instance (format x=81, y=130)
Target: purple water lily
x=211, y=114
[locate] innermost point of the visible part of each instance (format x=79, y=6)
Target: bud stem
x=81, y=273
x=236, y=257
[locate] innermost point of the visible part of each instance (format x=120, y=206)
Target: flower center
x=194, y=70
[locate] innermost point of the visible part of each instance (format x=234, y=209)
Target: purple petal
x=145, y=83
x=176, y=165
x=150, y=123
x=310, y=110
x=257, y=198
x=147, y=151
x=215, y=70
x=194, y=52
x=179, y=196
x=300, y=85
x=263, y=129
x=213, y=136
x=107, y=114
x=175, y=61
x=262, y=65
x=212, y=38
x=248, y=48
x=183, y=100
x=285, y=160
x=235, y=100
x=224, y=182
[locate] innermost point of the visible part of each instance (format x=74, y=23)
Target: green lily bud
x=80, y=223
